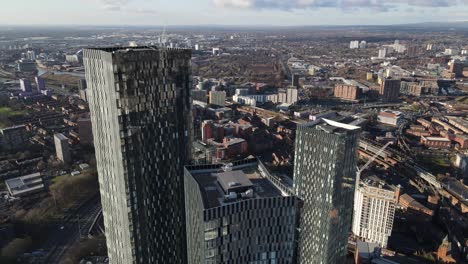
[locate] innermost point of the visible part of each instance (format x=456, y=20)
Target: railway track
x=70, y=230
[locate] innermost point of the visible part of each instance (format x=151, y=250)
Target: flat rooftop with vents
x=220, y=185
x=330, y=126
x=25, y=185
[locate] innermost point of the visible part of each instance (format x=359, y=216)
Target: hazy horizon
x=234, y=25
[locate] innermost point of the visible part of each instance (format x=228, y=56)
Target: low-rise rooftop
x=437, y=139
x=458, y=120
x=60, y=136
x=25, y=184
x=457, y=188
x=389, y=112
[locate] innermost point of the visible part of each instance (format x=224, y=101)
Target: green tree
x=69, y=191
x=16, y=247
x=86, y=248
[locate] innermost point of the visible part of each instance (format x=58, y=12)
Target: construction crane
x=372, y=159
x=359, y=171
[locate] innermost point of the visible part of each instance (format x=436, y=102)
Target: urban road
x=74, y=226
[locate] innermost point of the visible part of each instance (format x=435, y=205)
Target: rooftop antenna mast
x=163, y=36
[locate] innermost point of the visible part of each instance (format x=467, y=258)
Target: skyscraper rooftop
x=237, y=213
x=329, y=126
x=324, y=177
x=219, y=187
x=137, y=48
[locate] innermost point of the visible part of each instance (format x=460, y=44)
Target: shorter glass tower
x=324, y=178
x=239, y=214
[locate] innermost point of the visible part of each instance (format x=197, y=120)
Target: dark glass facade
x=139, y=99
x=324, y=178
x=260, y=228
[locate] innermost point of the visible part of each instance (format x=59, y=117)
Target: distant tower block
x=40, y=83
x=62, y=148
x=25, y=85
x=295, y=80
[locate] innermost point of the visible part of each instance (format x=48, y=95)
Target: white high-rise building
x=31, y=55
x=62, y=148
x=363, y=44
x=25, y=85
x=374, y=211
x=354, y=44
x=382, y=53
x=399, y=48
x=218, y=98
x=282, y=97
x=292, y=96
x=451, y=52
x=246, y=100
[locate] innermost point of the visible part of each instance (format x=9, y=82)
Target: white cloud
x=113, y=5
x=378, y=5
x=123, y=6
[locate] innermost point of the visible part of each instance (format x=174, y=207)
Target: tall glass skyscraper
x=139, y=99
x=324, y=178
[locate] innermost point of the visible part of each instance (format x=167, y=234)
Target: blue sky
x=230, y=12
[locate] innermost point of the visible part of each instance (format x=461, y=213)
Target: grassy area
x=15, y=248
x=34, y=216
x=43, y=212
x=436, y=164
x=463, y=100
x=66, y=192
x=58, y=179
x=71, y=191
x=6, y=112
x=86, y=248
x=2, y=186
x=68, y=80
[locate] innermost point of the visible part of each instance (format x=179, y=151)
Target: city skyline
x=232, y=12
x=232, y=138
